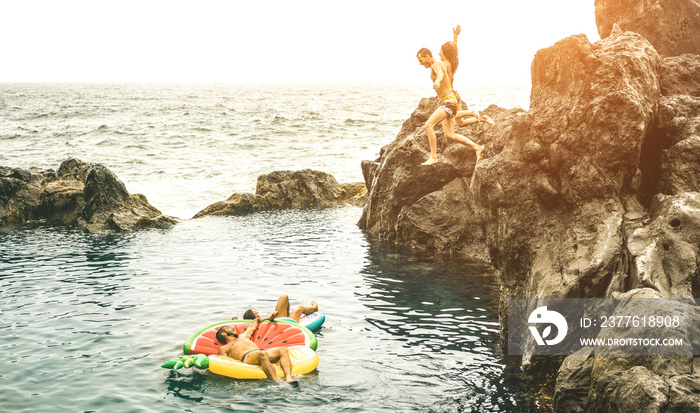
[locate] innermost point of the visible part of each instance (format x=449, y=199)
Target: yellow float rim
x=304, y=360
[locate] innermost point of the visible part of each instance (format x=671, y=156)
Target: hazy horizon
x=277, y=42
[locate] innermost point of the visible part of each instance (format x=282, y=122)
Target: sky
x=276, y=41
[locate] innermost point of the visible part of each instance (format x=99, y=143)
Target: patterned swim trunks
x=449, y=105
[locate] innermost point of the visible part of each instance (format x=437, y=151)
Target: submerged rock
x=288, y=190
x=80, y=194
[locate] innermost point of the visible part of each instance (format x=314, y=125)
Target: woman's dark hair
x=425, y=52
x=449, y=49
x=249, y=315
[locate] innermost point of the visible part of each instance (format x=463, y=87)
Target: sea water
x=87, y=319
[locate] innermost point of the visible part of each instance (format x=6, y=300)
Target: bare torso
x=236, y=349
x=446, y=84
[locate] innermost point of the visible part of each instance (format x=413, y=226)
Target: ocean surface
x=87, y=319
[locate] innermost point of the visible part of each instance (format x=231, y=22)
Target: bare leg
x=283, y=306
x=281, y=354
x=466, y=122
x=449, y=127
x=473, y=117
x=297, y=312
x=263, y=359
x=436, y=117
x=472, y=113
x=479, y=153
x=486, y=119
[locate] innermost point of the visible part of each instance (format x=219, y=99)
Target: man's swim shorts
x=450, y=105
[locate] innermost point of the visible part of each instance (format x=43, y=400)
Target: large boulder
x=672, y=26
x=20, y=192
x=429, y=208
x=680, y=167
x=614, y=383
x=680, y=75
x=289, y=190
x=591, y=107
x=80, y=194
x=450, y=210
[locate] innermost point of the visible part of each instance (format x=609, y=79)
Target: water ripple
x=84, y=314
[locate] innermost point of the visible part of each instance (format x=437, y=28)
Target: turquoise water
x=87, y=319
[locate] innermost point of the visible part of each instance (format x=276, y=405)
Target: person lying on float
x=241, y=347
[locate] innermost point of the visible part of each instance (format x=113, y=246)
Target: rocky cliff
x=592, y=192
x=79, y=194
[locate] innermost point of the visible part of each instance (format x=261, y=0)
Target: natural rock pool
x=88, y=319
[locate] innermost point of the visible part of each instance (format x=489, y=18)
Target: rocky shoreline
x=592, y=192
x=90, y=197
x=79, y=194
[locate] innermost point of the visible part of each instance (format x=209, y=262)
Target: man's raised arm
x=251, y=328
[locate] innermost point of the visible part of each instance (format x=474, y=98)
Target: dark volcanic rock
x=429, y=207
x=20, y=192
x=659, y=258
x=672, y=26
x=593, y=192
x=104, y=193
x=299, y=189
x=680, y=75
x=79, y=194
x=574, y=382
x=555, y=228
x=677, y=120
x=555, y=181
x=680, y=167
x=633, y=383
x=665, y=251
x=636, y=389
x=289, y=189
x=449, y=210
